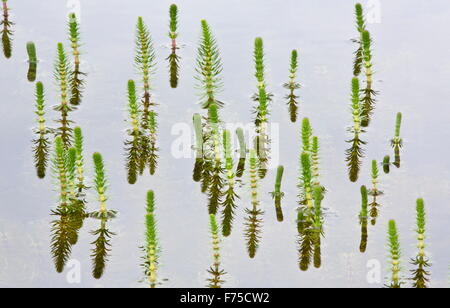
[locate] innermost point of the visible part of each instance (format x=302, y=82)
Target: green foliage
x=395, y=253
x=173, y=24
x=292, y=85
x=306, y=135
x=76, y=81
x=32, y=61
x=364, y=202
x=78, y=142
x=420, y=210
x=360, y=22
x=60, y=170
x=174, y=66
x=61, y=74
x=100, y=178
x=216, y=273
x=277, y=194
x=386, y=164
x=6, y=32
x=209, y=68
x=41, y=142
x=101, y=250
x=152, y=246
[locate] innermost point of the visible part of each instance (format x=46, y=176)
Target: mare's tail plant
x=173, y=57
x=32, y=61
x=253, y=221
x=368, y=99
x=6, y=31
x=145, y=64
x=355, y=153
x=363, y=218
x=277, y=194
x=209, y=68
x=361, y=27
x=152, y=248
x=292, y=85
x=395, y=254
x=102, y=245
x=78, y=142
x=397, y=141
x=134, y=132
x=375, y=172
x=421, y=274
x=153, y=155
x=41, y=142
x=216, y=281
x=76, y=76
x=62, y=73
x=229, y=202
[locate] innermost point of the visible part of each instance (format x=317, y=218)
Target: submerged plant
x=229, y=202
x=361, y=27
x=394, y=249
x=173, y=24
x=216, y=179
x=41, y=142
x=145, y=64
x=305, y=181
x=293, y=85
x=103, y=235
x=133, y=143
x=363, y=218
x=253, y=221
x=242, y=152
x=152, y=248
x=6, y=30
x=216, y=280
x=397, y=141
x=368, y=99
x=32, y=61
x=277, y=194
x=375, y=172
x=421, y=274
x=173, y=58
x=355, y=153
x=209, y=68
x=76, y=80
x=306, y=135
x=61, y=74
x=78, y=143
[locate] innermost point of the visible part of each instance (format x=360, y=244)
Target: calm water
x=412, y=73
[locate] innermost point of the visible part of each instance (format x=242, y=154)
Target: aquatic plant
x=173, y=57
x=153, y=155
x=76, y=81
x=397, y=142
x=361, y=27
x=103, y=235
x=209, y=68
x=61, y=74
x=60, y=171
x=277, y=194
x=216, y=280
x=174, y=66
x=315, y=162
x=306, y=239
x=216, y=179
x=375, y=172
x=306, y=135
x=395, y=253
x=253, y=222
x=6, y=31
x=292, y=85
x=363, y=217
x=41, y=142
x=421, y=274
x=229, y=202
x=318, y=219
x=242, y=152
x=173, y=24
x=134, y=132
x=32, y=61
x=78, y=143
x=305, y=181
x=261, y=97
x=355, y=153
x=64, y=233
x=386, y=164
x=152, y=248
x=368, y=99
